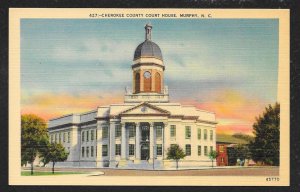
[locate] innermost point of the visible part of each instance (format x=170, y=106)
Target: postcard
x=151, y=97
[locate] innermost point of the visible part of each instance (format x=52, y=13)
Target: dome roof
x=148, y=49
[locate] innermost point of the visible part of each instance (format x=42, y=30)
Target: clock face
x=147, y=74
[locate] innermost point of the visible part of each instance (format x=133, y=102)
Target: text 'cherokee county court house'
x=131, y=134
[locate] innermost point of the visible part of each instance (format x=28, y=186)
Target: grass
x=47, y=173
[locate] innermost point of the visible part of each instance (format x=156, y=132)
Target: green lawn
x=49, y=173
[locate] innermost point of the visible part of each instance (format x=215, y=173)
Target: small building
x=224, y=145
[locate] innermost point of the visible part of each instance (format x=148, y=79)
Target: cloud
x=235, y=111
x=49, y=105
x=94, y=49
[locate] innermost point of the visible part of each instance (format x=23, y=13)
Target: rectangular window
x=118, y=131
x=104, y=132
x=221, y=148
x=59, y=137
x=159, y=149
x=187, y=132
x=199, y=150
x=82, y=151
x=118, y=149
x=211, y=148
x=51, y=138
x=92, y=151
x=92, y=135
x=131, y=149
x=104, y=150
x=96, y=150
x=188, y=150
x=87, y=135
x=173, y=131
x=131, y=131
x=96, y=134
x=87, y=151
x=158, y=131
x=205, y=150
x=69, y=137
x=82, y=136
x=199, y=133
x=211, y=135
x=205, y=134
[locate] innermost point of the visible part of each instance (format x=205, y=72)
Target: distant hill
x=242, y=136
x=236, y=138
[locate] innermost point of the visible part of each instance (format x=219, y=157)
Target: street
x=232, y=171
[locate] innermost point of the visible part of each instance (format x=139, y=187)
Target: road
x=243, y=171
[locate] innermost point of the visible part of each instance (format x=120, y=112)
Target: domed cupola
x=148, y=72
x=148, y=49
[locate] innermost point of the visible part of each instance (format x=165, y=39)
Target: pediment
x=145, y=108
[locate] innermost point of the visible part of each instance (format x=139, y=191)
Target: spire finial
x=148, y=29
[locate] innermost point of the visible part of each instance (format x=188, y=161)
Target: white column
x=164, y=154
x=99, y=144
x=123, y=146
x=152, y=142
x=137, y=142
x=112, y=144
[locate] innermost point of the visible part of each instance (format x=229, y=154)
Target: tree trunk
x=53, y=167
x=31, y=168
x=212, y=163
x=176, y=164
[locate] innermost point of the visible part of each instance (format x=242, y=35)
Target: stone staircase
x=145, y=165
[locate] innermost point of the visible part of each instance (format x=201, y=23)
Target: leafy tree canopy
x=55, y=153
x=265, y=146
x=33, y=136
x=212, y=155
x=175, y=152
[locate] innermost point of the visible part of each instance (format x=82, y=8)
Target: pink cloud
x=48, y=105
x=235, y=112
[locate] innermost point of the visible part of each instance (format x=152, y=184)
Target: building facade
x=222, y=159
x=138, y=132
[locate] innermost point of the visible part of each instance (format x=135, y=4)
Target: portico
x=139, y=141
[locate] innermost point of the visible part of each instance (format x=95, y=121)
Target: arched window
x=157, y=83
x=137, y=82
x=147, y=81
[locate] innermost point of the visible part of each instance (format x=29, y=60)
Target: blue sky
x=94, y=56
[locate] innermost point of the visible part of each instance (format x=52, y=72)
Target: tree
x=265, y=146
x=55, y=153
x=44, y=153
x=212, y=155
x=240, y=151
x=175, y=152
x=33, y=138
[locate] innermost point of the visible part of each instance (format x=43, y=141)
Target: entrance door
x=145, y=142
x=145, y=133
x=145, y=151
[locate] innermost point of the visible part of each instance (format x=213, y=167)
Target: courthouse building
x=138, y=132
